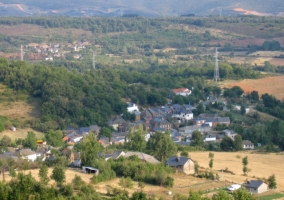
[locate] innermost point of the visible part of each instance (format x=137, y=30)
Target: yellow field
x=273, y=85
x=261, y=165
x=21, y=133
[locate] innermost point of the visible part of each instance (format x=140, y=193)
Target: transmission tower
x=22, y=53
x=216, y=70
x=94, y=60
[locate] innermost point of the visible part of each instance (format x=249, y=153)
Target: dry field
x=273, y=85
x=34, y=30
x=21, y=133
x=261, y=165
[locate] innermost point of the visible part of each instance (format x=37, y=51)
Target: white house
x=248, y=144
x=183, y=116
x=210, y=138
x=238, y=107
x=132, y=107
x=181, y=91
x=27, y=154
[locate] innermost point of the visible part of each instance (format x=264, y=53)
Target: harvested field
x=261, y=165
x=277, y=61
x=273, y=85
x=34, y=30
x=21, y=133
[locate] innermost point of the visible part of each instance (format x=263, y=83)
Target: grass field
x=261, y=165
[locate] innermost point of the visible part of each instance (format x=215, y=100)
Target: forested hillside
x=91, y=97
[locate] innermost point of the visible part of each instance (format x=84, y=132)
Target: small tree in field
x=211, y=156
x=245, y=164
x=43, y=174
x=272, y=182
x=58, y=175
x=125, y=183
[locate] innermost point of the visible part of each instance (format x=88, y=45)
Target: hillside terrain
x=145, y=7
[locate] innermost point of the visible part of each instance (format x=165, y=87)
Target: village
x=175, y=119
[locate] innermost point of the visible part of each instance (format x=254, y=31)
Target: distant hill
x=140, y=7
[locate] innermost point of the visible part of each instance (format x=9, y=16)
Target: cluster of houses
x=56, y=50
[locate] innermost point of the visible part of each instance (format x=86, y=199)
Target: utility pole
x=216, y=70
x=94, y=60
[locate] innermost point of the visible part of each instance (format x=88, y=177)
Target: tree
x=272, y=182
x=30, y=141
x=139, y=196
x=227, y=144
x=136, y=140
x=89, y=148
x=238, y=142
x=245, y=164
x=221, y=195
x=242, y=194
x=254, y=96
x=184, y=153
x=125, y=183
x=211, y=156
x=58, y=175
x=77, y=182
x=54, y=138
x=197, y=138
x=243, y=109
x=105, y=131
x=43, y=174
x=161, y=146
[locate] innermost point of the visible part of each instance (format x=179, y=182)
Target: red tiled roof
x=180, y=90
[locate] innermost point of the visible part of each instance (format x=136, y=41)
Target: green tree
x=43, y=174
x=105, y=131
x=30, y=141
x=54, y=138
x=185, y=154
x=243, y=109
x=245, y=164
x=139, y=196
x=242, y=194
x=125, y=183
x=222, y=195
x=197, y=139
x=238, y=142
x=227, y=144
x=272, y=182
x=161, y=146
x=89, y=148
x=211, y=156
x=136, y=140
x=77, y=182
x=58, y=175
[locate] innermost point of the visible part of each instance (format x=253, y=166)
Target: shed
x=256, y=186
x=90, y=170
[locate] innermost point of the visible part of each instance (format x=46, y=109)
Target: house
x=115, y=155
x=210, y=138
x=183, y=115
x=256, y=186
x=188, y=130
x=75, y=159
x=118, y=124
x=181, y=164
x=230, y=133
x=238, y=108
x=142, y=156
x=181, y=91
x=27, y=154
x=199, y=121
x=217, y=120
x=248, y=144
x=132, y=107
